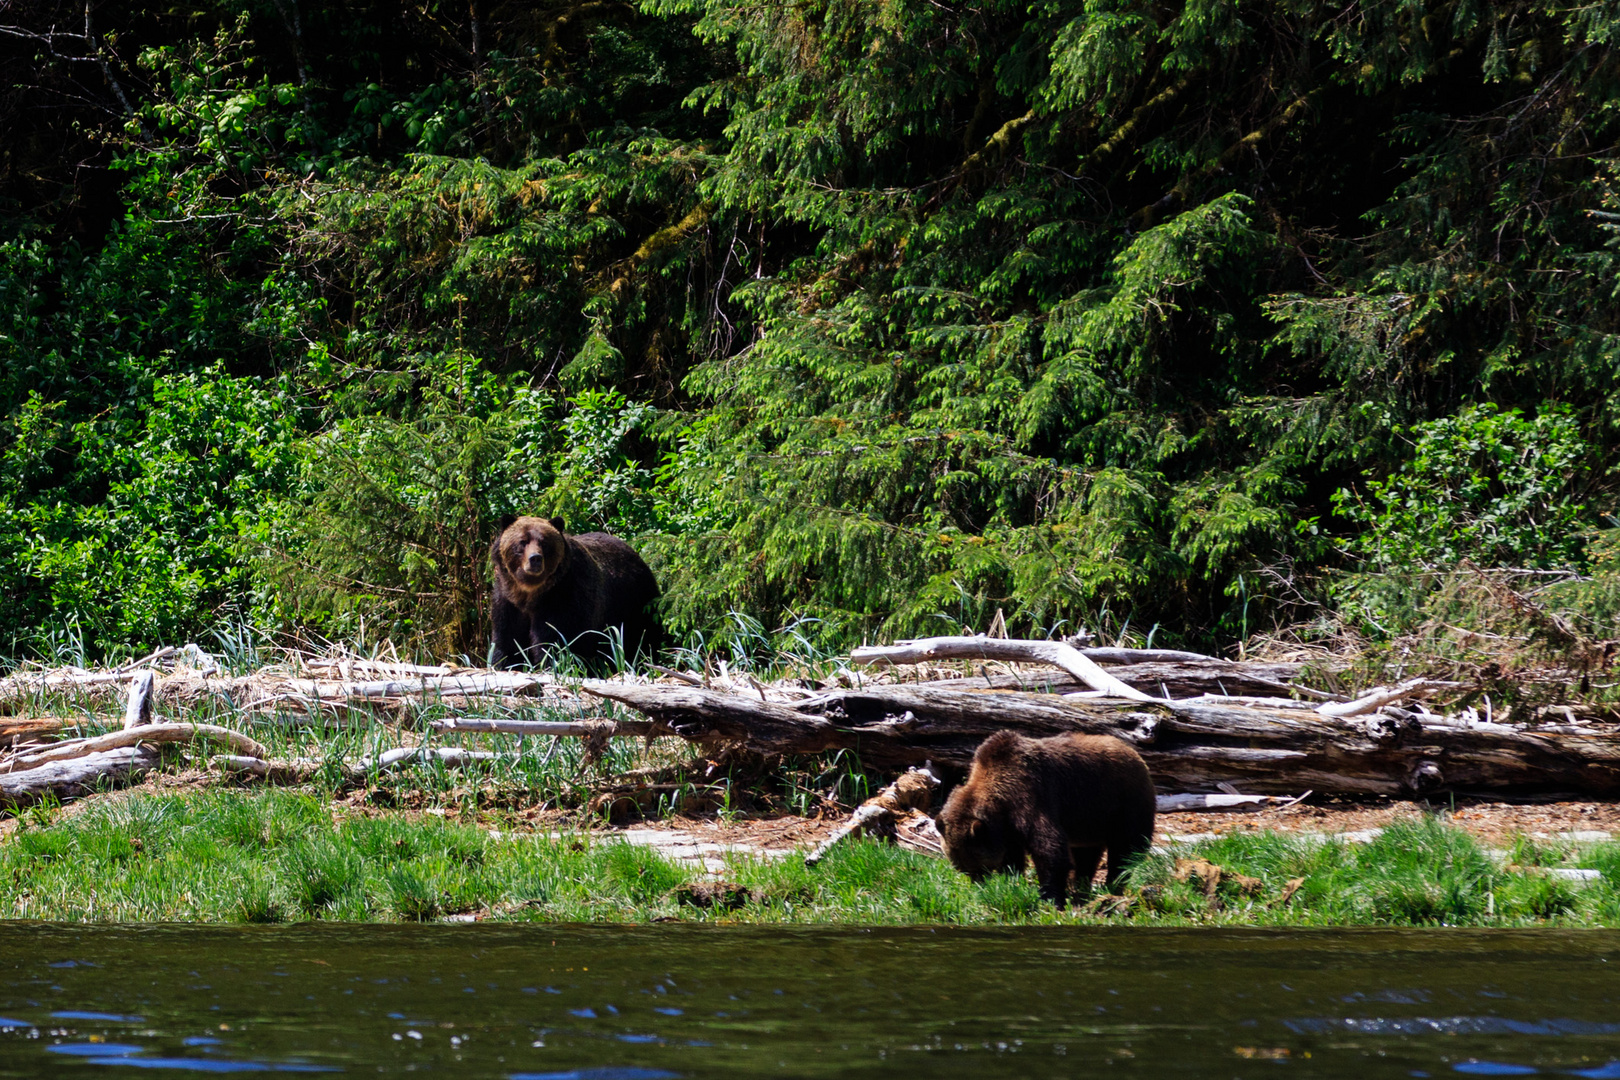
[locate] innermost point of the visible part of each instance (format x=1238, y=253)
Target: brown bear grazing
x=555, y=589
x=1061, y=801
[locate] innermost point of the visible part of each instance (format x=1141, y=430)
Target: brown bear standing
x=1061, y=801
x=555, y=589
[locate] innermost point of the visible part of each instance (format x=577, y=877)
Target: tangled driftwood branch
x=911, y=794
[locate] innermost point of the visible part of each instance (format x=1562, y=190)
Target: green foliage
x=1496, y=488
x=154, y=560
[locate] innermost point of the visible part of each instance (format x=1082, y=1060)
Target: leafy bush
x=1497, y=488
x=156, y=560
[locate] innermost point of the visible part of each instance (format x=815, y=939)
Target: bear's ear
x=505, y=522
x=557, y=523
x=1000, y=747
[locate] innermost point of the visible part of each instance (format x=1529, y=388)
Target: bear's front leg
x=509, y=636
x=1049, y=851
x=1086, y=860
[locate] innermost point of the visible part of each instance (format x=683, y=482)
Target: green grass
x=276, y=856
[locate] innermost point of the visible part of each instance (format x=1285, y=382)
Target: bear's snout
x=537, y=562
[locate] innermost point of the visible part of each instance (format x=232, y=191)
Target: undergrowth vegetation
x=1187, y=320
x=278, y=856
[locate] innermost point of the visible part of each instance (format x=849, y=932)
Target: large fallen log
x=1190, y=747
x=588, y=727
x=463, y=685
x=75, y=776
x=15, y=730
x=1203, y=804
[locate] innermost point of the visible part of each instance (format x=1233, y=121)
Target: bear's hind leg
x=1120, y=856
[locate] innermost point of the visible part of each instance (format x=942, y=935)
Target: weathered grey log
x=149, y=733
x=386, y=668
x=74, y=777
x=270, y=686
x=711, y=716
x=505, y=682
x=1188, y=747
x=1057, y=653
x=138, y=710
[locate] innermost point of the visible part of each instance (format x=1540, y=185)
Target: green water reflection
x=643, y=1002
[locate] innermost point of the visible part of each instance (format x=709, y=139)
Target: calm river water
x=638, y=1003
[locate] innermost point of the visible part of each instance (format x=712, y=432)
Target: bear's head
x=976, y=826
x=530, y=552
x=976, y=842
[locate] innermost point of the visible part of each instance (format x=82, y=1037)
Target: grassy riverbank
x=274, y=856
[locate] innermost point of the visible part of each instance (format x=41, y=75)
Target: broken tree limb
x=1380, y=696
x=74, y=777
x=1172, y=804
x=1147, y=656
x=301, y=770
x=138, y=710
x=913, y=790
x=1159, y=679
x=587, y=727
x=149, y=733
x=1057, y=653
x=149, y=659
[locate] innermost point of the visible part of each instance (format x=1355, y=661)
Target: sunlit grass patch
x=1422, y=872
x=272, y=856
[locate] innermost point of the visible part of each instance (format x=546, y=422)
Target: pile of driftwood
x=1213, y=726
x=39, y=759
x=1206, y=727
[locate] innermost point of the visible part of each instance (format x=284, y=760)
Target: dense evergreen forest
x=1187, y=319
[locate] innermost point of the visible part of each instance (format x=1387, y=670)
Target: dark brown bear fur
x=552, y=588
x=1061, y=801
